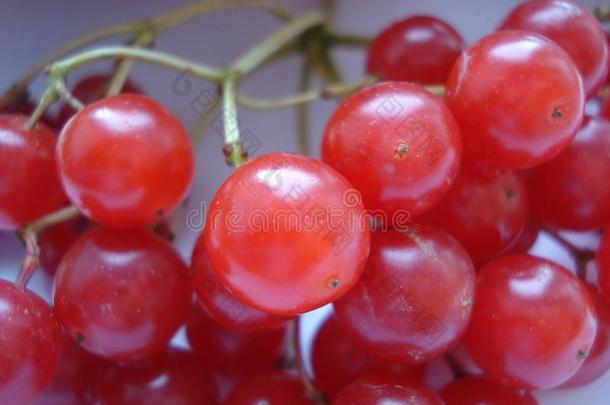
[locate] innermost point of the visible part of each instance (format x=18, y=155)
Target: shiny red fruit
x=478, y=391
x=89, y=89
x=418, y=49
x=270, y=388
x=572, y=191
x=518, y=99
x=533, y=323
x=526, y=240
x=234, y=353
x=337, y=360
x=175, y=377
x=284, y=234
x=598, y=360
x=125, y=161
x=414, y=300
x=122, y=294
x=29, y=186
x=222, y=306
x=378, y=389
x=55, y=241
x=30, y=345
x=573, y=28
x=485, y=209
x=397, y=144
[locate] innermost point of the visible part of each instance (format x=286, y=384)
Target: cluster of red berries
x=508, y=152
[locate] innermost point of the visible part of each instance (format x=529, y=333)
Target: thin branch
x=233, y=151
x=303, y=111
x=125, y=65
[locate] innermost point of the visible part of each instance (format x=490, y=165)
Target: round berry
x=477, y=390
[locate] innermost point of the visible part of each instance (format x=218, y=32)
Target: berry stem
x=61, y=215
x=234, y=154
x=30, y=261
x=347, y=40
x=303, y=109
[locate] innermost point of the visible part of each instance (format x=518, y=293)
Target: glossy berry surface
x=125, y=161
x=572, y=191
x=232, y=352
x=518, y=99
x=533, y=323
x=29, y=185
x=269, y=388
x=55, y=241
x=337, y=360
x=30, y=345
x=418, y=49
x=573, y=28
x=222, y=306
x=174, y=377
x=122, y=294
x=485, y=209
x=270, y=238
x=379, y=389
x=397, y=144
x=414, y=300
x=478, y=391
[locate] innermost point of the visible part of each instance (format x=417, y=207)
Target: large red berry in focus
x=269, y=388
x=122, y=294
x=29, y=186
x=125, y=161
x=418, y=49
x=415, y=297
x=518, y=99
x=533, y=323
x=380, y=388
x=30, y=345
x=573, y=28
x=572, y=191
x=397, y=144
x=285, y=234
x=222, y=306
x=485, y=209
x=477, y=391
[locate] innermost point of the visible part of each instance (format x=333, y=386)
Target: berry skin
x=572, y=191
x=485, y=209
x=222, y=306
x=518, y=100
x=283, y=234
x=29, y=185
x=30, y=345
x=379, y=388
x=125, y=161
x=533, y=323
x=418, y=49
x=122, y=294
x=573, y=28
x=174, y=377
x=55, y=241
x=337, y=360
x=603, y=265
x=397, y=144
x=230, y=352
x=414, y=301
x=477, y=390
x=269, y=388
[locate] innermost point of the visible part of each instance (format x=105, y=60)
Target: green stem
x=303, y=110
x=234, y=153
x=125, y=65
x=49, y=96
x=349, y=40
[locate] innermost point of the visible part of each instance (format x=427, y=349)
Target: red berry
x=222, y=306
x=477, y=390
x=485, y=210
x=55, y=241
x=175, y=377
x=526, y=240
x=397, y=144
x=603, y=265
x=572, y=191
x=337, y=360
x=270, y=388
x=284, y=236
x=378, y=389
x=231, y=352
x=30, y=344
x=414, y=300
x=122, y=294
x=518, y=99
x=125, y=161
x=533, y=323
x=29, y=186
x=417, y=49
x=573, y=28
